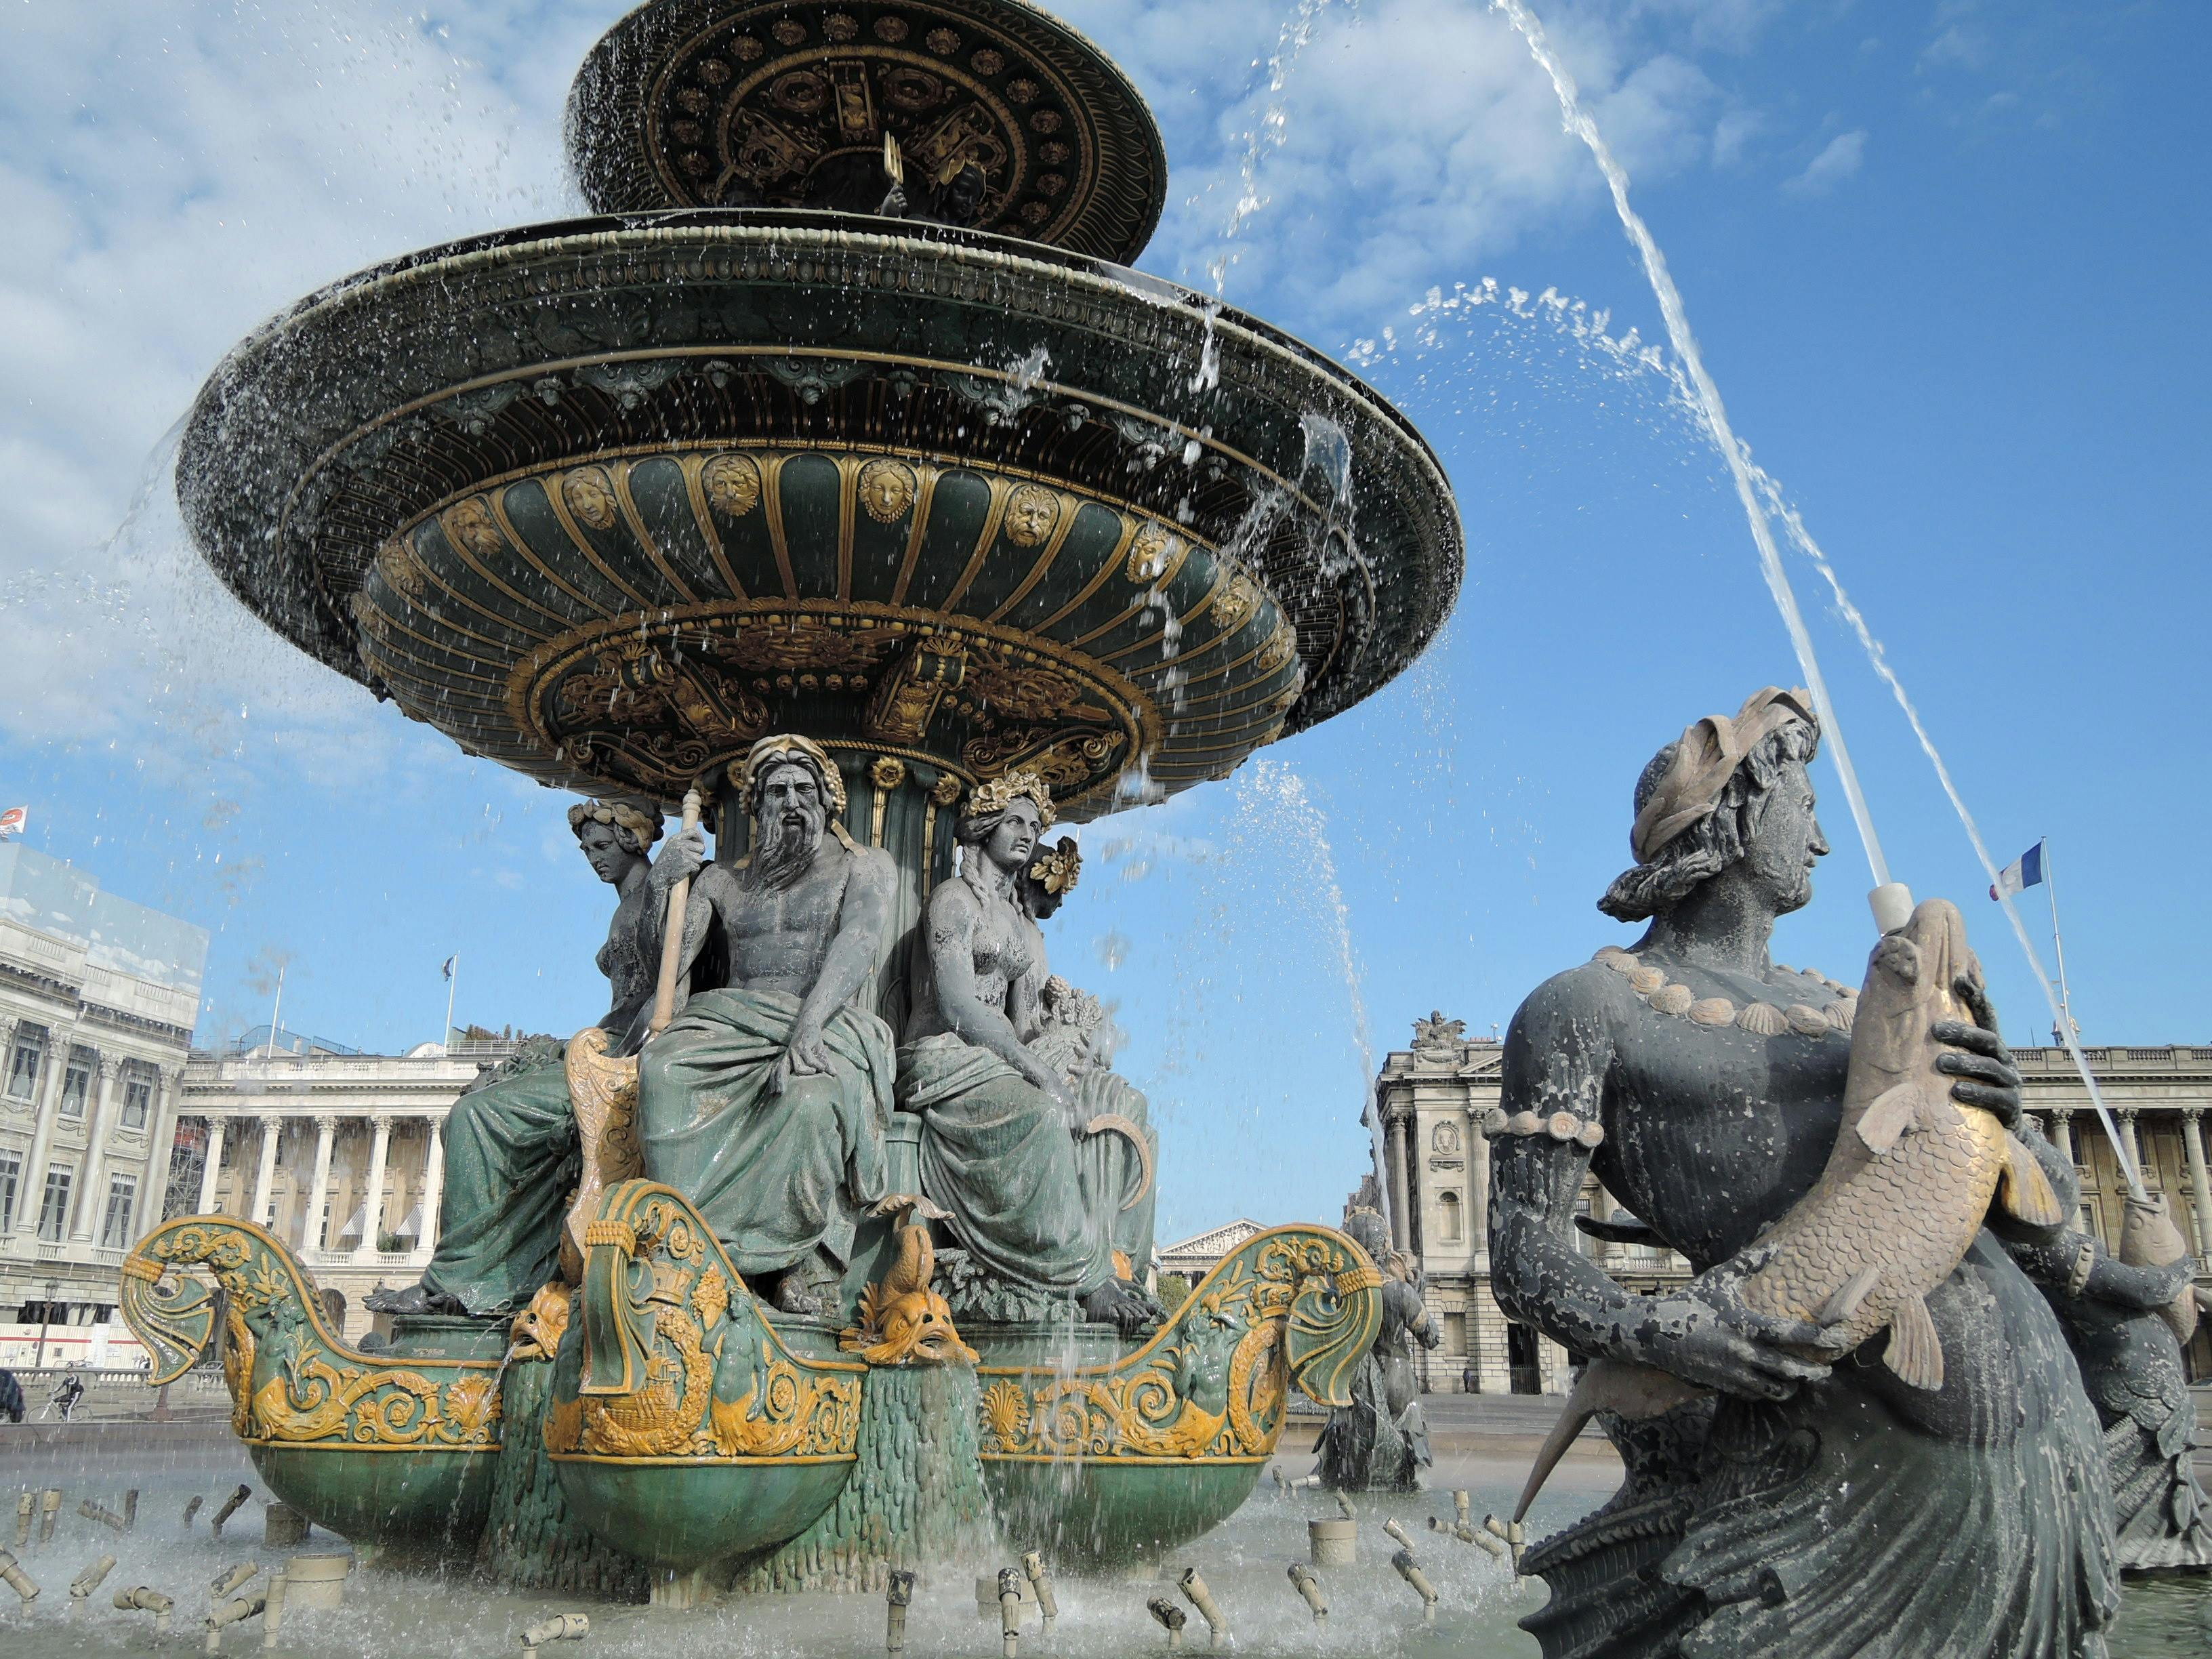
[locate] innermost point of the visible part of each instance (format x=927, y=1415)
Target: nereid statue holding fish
x=1860, y=1378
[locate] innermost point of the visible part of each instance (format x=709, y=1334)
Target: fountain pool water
x=389, y=1613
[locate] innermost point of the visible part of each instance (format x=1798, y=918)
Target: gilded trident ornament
x=603, y=1095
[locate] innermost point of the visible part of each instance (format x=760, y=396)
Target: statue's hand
x=1980, y=1059
x=803, y=1056
x=1730, y=1350
x=681, y=859
x=2142, y=1289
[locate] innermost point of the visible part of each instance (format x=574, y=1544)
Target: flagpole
x=2058, y=944
x=453, y=984
x=276, y=1013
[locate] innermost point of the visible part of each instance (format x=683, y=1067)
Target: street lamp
x=47, y=1316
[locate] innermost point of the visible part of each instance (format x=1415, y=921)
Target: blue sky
x=1944, y=260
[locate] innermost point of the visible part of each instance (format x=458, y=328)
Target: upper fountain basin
x=789, y=103
x=605, y=499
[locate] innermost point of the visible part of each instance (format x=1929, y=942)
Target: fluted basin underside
x=606, y=499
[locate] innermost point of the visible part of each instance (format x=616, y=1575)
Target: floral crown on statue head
x=783, y=749
x=994, y=795
x=622, y=814
x=1058, y=871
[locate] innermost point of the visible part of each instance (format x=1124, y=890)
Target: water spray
x=1410, y=1570
x=1041, y=1585
x=142, y=1598
x=1308, y=1585
x=898, y=1597
x=1009, y=1611
x=2062, y=1021
x=85, y=1583
x=1717, y=423
x=16, y=1579
x=1170, y=1617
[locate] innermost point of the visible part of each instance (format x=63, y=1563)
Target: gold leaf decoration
x=732, y=483
x=886, y=490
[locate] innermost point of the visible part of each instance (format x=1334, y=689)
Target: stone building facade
x=1432, y=1095
x=342, y=1155
x=98, y=999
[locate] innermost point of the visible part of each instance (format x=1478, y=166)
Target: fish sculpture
x=1907, y=1186
x=2148, y=1238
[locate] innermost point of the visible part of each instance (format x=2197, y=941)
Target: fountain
x=836, y=453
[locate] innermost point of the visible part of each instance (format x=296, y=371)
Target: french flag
x=2022, y=873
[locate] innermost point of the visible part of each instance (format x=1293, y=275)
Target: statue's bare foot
x=412, y=1299
x=805, y=1289
x=1122, y=1306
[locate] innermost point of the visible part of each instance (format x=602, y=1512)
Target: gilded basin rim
x=240, y=513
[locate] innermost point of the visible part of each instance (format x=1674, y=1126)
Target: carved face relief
x=1030, y=515
x=590, y=496
x=733, y=484
x=886, y=488
x=1785, y=842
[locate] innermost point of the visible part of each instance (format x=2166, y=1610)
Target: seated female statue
x=1004, y=1122
x=512, y=1157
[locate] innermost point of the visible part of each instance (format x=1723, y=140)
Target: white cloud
x=170, y=179
x=1838, y=161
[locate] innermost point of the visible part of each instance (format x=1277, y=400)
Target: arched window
x=1447, y=1208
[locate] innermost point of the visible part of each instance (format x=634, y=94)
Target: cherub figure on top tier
x=1010, y=1089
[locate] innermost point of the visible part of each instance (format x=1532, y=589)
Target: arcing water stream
x=1760, y=496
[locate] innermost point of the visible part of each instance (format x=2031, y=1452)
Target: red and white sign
x=14, y=821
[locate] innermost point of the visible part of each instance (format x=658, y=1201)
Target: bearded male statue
x=765, y=1101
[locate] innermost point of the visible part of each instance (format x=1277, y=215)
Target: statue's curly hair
x=1716, y=841
x=636, y=821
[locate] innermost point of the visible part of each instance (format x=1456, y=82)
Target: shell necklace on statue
x=1760, y=1018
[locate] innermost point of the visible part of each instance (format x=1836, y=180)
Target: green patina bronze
x=842, y=425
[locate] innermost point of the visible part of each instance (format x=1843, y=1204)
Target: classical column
x=1478, y=1194
x=1401, y=1218
x=2128, y=1136
x=310, y=1229
x=371, y=1198
x=433, y=1186
x=95, y=1152
x=2192, y=1142
x=212, y=1169
x=160, y=1147
x=2062, y=1131
x=265, y=1172
x=47, y=1107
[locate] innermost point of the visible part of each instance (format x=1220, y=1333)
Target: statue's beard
x=784, y=845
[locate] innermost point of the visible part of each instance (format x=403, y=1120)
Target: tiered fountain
x=947, y=489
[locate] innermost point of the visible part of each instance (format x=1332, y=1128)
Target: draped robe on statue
x=777, y=1176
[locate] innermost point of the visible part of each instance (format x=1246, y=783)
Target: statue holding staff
x=765, y=1099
